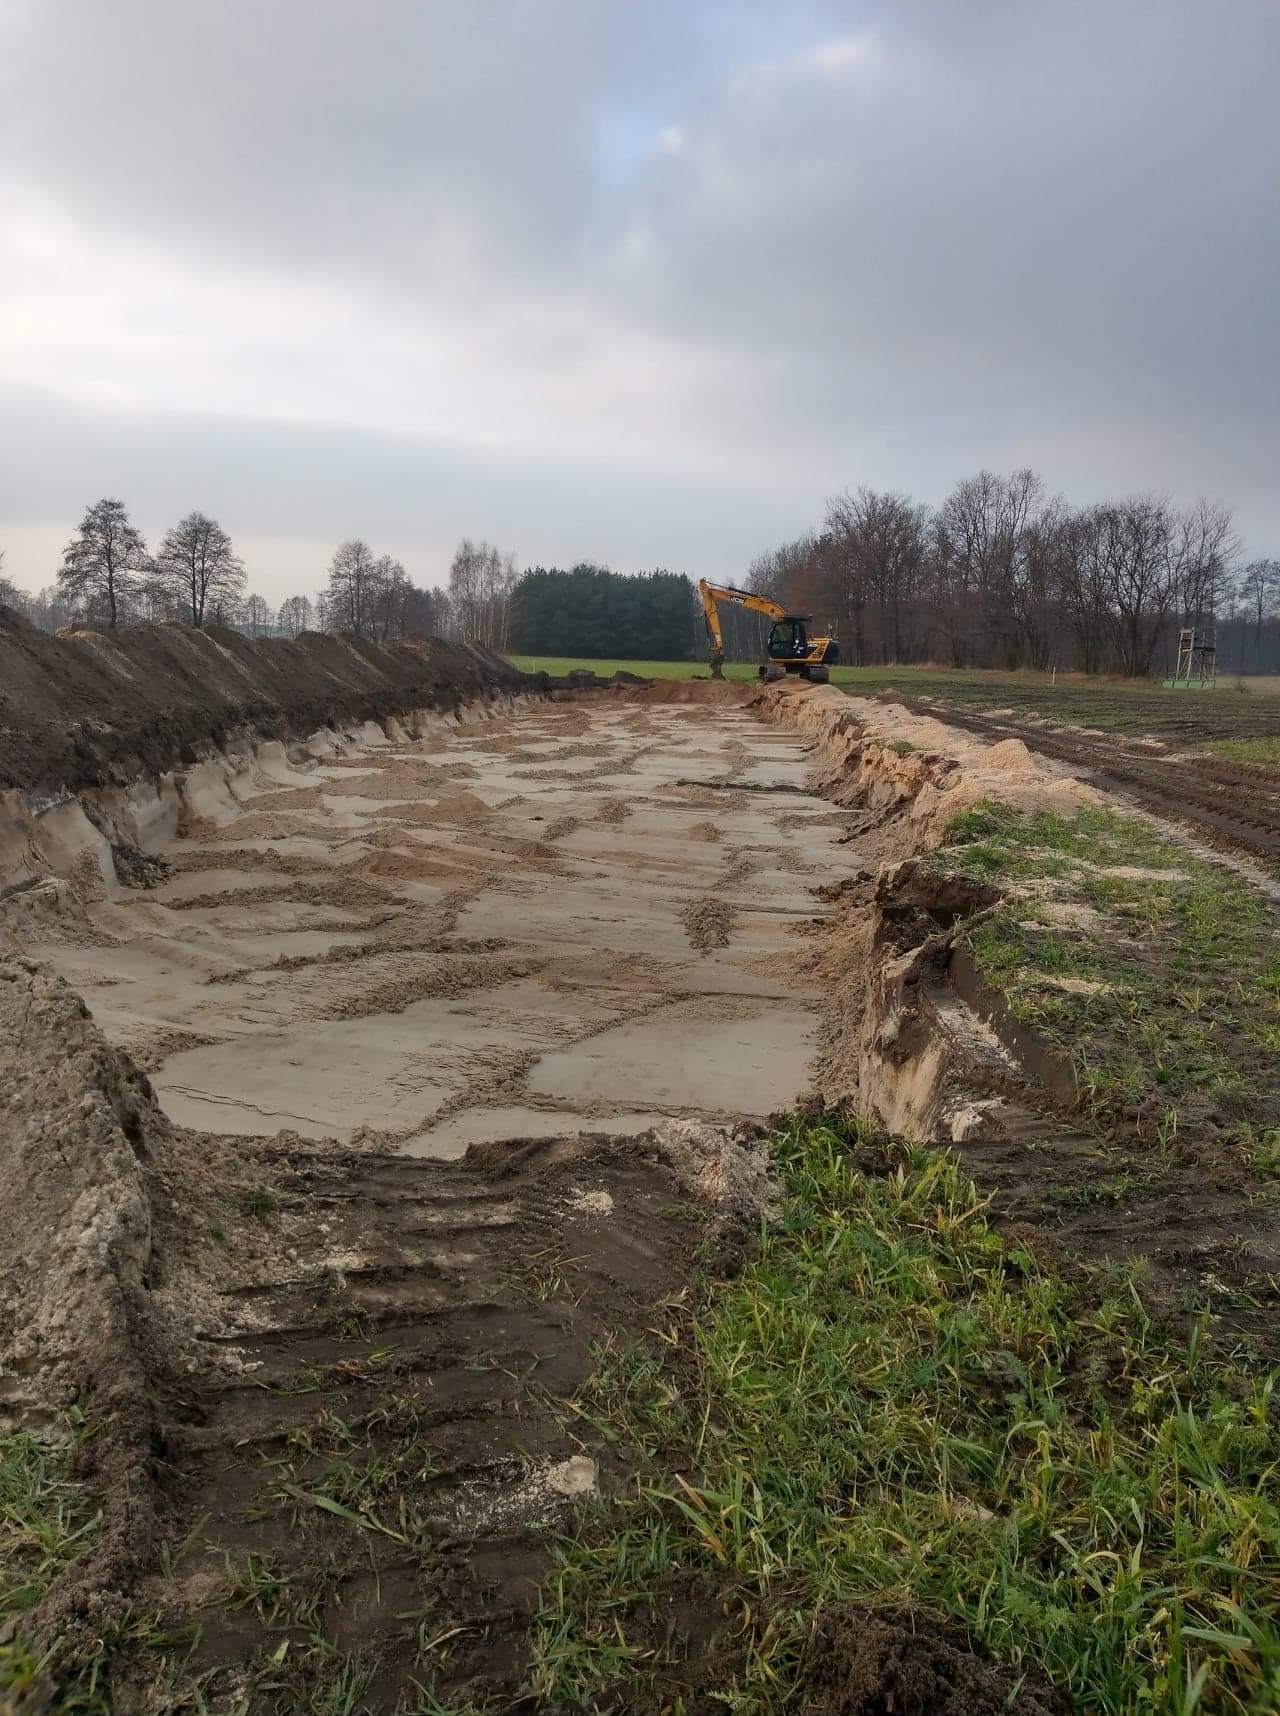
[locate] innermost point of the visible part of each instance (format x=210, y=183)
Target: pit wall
x=82, y=838
x=912, y=1034
x=883, y=758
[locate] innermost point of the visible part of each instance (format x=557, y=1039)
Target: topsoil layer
x=90, y=708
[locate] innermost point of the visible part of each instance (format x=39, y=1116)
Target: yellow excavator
x=790, y=649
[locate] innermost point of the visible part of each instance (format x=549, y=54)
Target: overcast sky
x=641, y=282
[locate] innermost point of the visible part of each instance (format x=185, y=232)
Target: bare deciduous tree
x=154, y=601
x=1260, y=591
x=388, y=592
x=880, y=554
x=257, y=615
x=295, y=615
x=199, y=565
x=101, y=563
x=481, y=580
x=351, y=578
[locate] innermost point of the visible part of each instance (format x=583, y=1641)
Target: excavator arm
x=712, y=595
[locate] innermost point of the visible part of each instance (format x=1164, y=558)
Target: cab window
x=787, y=639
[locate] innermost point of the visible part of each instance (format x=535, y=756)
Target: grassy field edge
x=891, y=1404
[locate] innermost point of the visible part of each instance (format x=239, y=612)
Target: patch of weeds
x=902, y=747
x=370, y=1475
x=47, y=1521
x=1262, y=1151
x=253, y=1583
x=889, y=1406
x=1174, y=994
x=342, y=1692
x=1245, y=750
x=542, y=1276
x=259, y=1202
x=426, y=1704
x=1114, y=1189
x=307, y=1678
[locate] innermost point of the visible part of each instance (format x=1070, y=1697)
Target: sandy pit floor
x=580, y=918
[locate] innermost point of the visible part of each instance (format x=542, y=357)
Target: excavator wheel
x=769, y=671
x=819, y=675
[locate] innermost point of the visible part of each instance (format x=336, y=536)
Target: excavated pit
x=510, y=928
x=449, y=1019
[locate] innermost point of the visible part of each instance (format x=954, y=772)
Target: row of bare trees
x=1004, y=574
x=110, y=578
x=371, y=595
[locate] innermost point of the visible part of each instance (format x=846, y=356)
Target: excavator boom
x=712, y=595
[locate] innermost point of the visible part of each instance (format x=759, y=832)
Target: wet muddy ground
x=579, y=917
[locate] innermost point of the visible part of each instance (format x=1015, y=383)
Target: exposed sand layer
x=513, y=929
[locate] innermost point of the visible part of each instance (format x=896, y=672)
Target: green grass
x=1187, y=960
x=912, y=678
x=1259, y=751
x=1079, y=700
x=889, y=1405
x=46, y=1522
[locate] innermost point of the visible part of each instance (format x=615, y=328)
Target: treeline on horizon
x=109, y=578
x=1001, y=575
x=1006, y=575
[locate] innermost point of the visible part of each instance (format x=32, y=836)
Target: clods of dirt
x=708, y=923
x=904, y=1662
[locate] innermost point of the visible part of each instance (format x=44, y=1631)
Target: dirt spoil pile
x=75, y=1245
x=886, y=759
x=887, y=1662
x=88, y=708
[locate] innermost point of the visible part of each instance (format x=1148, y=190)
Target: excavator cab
x=790, y=649
x=788, y=639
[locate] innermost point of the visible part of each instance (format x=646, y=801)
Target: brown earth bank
x=936, y=1052
x=92, y=708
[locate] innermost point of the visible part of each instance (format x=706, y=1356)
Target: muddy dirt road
x=579, y=917
x=1235, y=806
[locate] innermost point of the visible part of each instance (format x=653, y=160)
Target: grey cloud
x=981, y=233
x=322, y=483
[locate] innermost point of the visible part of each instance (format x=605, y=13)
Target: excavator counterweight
x=790, y=649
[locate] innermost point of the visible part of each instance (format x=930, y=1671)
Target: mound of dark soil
x=88, y=708
x=903, y=1662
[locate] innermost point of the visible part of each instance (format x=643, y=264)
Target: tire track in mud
x=389, y=1466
